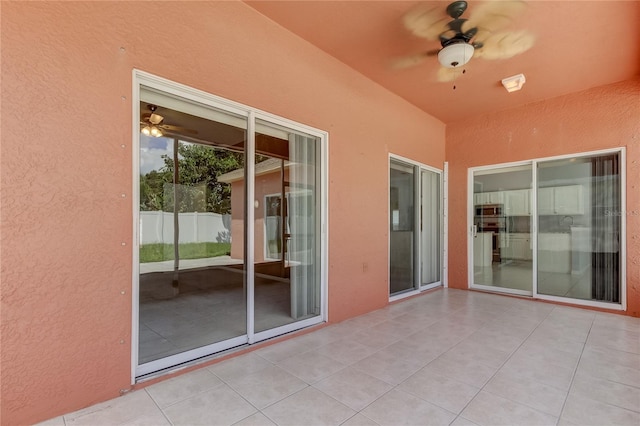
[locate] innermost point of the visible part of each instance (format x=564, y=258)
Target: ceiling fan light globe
x=155, y=132
x=146, y=130
x=455, y=55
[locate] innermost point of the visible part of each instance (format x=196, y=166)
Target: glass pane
x=287, y=226
x=502, y=244
x=401, y=226
x=191, y=265
x=579, y=208
x=430, y=227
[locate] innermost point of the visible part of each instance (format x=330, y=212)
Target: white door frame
x=622, y=306
x=418, y=287
x=141, y=78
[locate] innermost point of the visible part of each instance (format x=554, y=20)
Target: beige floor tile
x=472, y=373
x=397, y=407
x=442, y=391
x=281, y=350
x=606, y=391
x=618, y=339
x=617, y=366
x=485, y=354
x=257, y=419
x=535, y=370
x=353, y=388
x=346, y=351
x=308, y=407
x=219, y=406
x=56, y=421
x=151, y=419
x=588, y=412
x=388, y=368
x=376, y=339
x=487, y=409
x=267, y=386
x=461, y=421
x=239, y=366
x=310, y=366
x=528, y=392
x=182, y=387
x=359, y=420
x=616, y=321
x=120, y=410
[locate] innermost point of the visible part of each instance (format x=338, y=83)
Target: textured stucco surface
x=600, y=118
x=66, y=173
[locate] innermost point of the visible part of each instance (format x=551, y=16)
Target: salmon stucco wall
x=600, y=118
x=66, y=173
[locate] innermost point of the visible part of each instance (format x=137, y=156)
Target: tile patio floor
x=446, y=357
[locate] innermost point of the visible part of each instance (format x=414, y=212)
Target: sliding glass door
x=580, y=228
x=287, y=282
x=414, y=227
x=502, y=237
x=562, y=240
x=229, y=218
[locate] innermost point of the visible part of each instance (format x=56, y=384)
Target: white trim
x=470, y=217
x=191, y=355
x=504, y=290
x=135, y=238
x=249, y=228
x=623, y=229
x=287, y=328
x=445, y=226
x=403, y=295
x=581, y=302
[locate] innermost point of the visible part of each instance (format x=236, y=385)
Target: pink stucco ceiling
x=579, y=45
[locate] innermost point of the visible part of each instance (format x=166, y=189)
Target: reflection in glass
x=287, y=227
x=430, y=227
x=579, y=208
x=401, y=227
x=502, y=243
x=192, y=280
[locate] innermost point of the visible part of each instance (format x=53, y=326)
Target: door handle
x=474, y=229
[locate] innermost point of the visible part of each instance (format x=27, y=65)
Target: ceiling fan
x=461, y=38
x=152, y=124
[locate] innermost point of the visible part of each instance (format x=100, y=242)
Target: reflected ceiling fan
x=152, y=124
x=479, y=36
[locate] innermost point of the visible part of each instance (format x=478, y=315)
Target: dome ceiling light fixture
x=455, y=54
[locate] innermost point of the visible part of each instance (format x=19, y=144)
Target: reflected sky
x=151, y=151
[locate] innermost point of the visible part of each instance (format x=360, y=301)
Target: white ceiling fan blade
x=449, y=74
x=412, y=60
x=155, y=118
x=426, y=22
x=494, y=15
x=505, y=45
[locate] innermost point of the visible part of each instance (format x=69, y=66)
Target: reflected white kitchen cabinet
x=517, y=203
x=482, y=251
x=483, y=198
x=516, y=246
x=568, y=200
x=561, y=200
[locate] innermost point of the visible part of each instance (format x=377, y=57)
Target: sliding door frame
x=621, y=151
x=141, y=78
x=417, y=277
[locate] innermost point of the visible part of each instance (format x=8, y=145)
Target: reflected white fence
x=194, y=227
